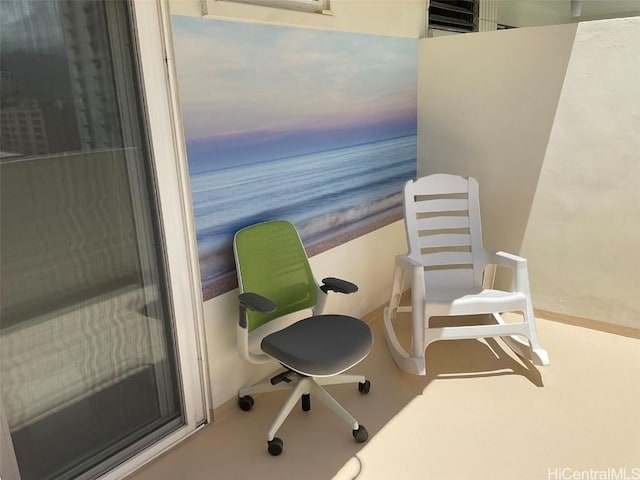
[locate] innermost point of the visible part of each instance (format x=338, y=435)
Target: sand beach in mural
x=315, y=127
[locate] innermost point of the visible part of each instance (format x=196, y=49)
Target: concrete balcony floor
x=480, y=413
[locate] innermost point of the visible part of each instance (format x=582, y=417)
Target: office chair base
x=361, y=435
x=301, y=388
x=275, y=446
x=246, y=403
x=306, y=402
x=364, y=387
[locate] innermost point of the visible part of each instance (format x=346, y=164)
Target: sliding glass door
x=90, y=369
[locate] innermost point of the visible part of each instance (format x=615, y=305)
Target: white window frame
x=312, y=6
x=152, y=30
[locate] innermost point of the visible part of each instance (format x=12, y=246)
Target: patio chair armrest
x=517, y=264
x=508, y=259
x=405, y=261
x=331, y=284
x=416, y=271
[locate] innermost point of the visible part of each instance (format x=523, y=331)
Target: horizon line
x=256, y=162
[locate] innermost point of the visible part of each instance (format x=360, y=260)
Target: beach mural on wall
x=316, y=127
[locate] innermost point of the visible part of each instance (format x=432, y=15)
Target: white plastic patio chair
x=447, y=269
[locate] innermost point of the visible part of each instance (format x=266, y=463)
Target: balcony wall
x=367, y=260
x=530, y=13
x=486, y=108
x=547, y=120
x=401, y=18
x=600, y=9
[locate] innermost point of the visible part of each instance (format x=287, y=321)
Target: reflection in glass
x=88, y=363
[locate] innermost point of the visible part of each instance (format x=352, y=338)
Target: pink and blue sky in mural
x=315, y=127
x=251, y=92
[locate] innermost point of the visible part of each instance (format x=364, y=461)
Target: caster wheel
x=245, y=403
x=306, y=402
x=361, y=435
x=275, y=446
x=365, y=387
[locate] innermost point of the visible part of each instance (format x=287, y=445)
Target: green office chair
x=275, y=281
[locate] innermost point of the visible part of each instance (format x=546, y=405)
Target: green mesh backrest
x=271, y=261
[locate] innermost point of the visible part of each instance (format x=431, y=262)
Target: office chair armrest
x=256, y=303
x=337, y=285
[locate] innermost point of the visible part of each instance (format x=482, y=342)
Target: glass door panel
x=88, y=363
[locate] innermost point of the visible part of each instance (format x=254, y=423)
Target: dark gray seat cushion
x=320, y=345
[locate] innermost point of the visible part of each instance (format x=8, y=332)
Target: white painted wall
x=486, y=103
x=531, y=13
x=586, y=215
x=400, y=18
x=599, y=9
x=548, y=121
x=368, y=261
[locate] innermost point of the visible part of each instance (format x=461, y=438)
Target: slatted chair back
x=442, y=219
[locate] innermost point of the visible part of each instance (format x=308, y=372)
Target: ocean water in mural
x=315, y=127
x=323, y=193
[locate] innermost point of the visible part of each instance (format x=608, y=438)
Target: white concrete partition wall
x=548, y=120
x=586, y=212
x=367, y=260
